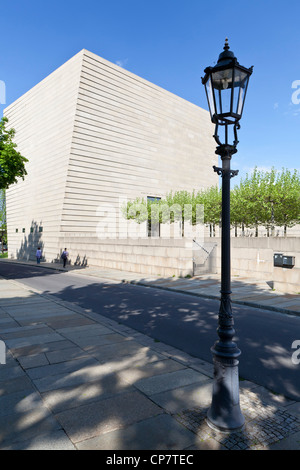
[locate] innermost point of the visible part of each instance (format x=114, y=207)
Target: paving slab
x=71, y=397
x=53, y=440
x=291, y=442
x=163, y=382
x=21, y=342
x=189, y=396
x=42, y=348
x=21, y=383
x=16, y=427
x=97, y=340
x=65, y=367
x=20, y=402
x=117, y=351
x=160, y=432
x=107, y=415
x=83, y=330
x=67, y=354
x=17, y=332
x=133, y=373
x=35, y=360
x=8, y=373
x=73, y=378
x=70, y=321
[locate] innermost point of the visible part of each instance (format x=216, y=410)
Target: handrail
x=202, y=247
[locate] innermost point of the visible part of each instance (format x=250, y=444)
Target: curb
x=214, y=297
x=54, y=266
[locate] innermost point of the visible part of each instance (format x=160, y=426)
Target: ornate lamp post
x=226, y=86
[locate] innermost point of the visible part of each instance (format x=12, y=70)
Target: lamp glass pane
x=210, y=97
x=240, y=84
x=242, y=96
x=222, y=83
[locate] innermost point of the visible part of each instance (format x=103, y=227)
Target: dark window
x=153, y=229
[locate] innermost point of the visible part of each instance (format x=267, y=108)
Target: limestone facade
x=96, y=135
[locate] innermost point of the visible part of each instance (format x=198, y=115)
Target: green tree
x=267, y=198
x=180, y=206
x=3, y=224
x=12, y=163
x=253, y=185
x=137, y=210
x=238, y=203
x=286, y=206
x=211, y=198
x=177, y=206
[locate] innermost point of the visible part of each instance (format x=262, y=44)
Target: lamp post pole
x=226, y=86
x=225, y=413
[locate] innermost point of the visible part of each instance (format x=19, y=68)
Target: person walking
x=64, y=256
x=38, y=255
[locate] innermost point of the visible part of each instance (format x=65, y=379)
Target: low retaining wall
x=167, y=257
x=254, y=257
x=164, y=257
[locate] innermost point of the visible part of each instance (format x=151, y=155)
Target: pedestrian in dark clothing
x=64, y=256
x=38, y=255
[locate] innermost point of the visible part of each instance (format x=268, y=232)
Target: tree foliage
x=268, y=198
x=12, y=163
x=263, y=198
x=3, y=223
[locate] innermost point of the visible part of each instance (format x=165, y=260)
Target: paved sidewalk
x=78, y=380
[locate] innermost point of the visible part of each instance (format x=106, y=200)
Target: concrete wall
x=253, y=257
x=161, y=257
x=262, y=232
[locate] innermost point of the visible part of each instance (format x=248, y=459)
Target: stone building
x=96, y=134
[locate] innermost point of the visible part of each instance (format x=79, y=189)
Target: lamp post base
x=225, y=414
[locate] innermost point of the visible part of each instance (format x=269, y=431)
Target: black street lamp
x=226, y=86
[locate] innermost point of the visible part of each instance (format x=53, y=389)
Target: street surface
x=180, y=320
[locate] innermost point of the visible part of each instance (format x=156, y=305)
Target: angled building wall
x=43, y=119
x=94, y=133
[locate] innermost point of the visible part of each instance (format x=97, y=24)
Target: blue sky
x=170, y=42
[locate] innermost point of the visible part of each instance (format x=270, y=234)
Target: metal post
x=225, y=413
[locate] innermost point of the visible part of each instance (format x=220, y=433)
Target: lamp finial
x=226, y=47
